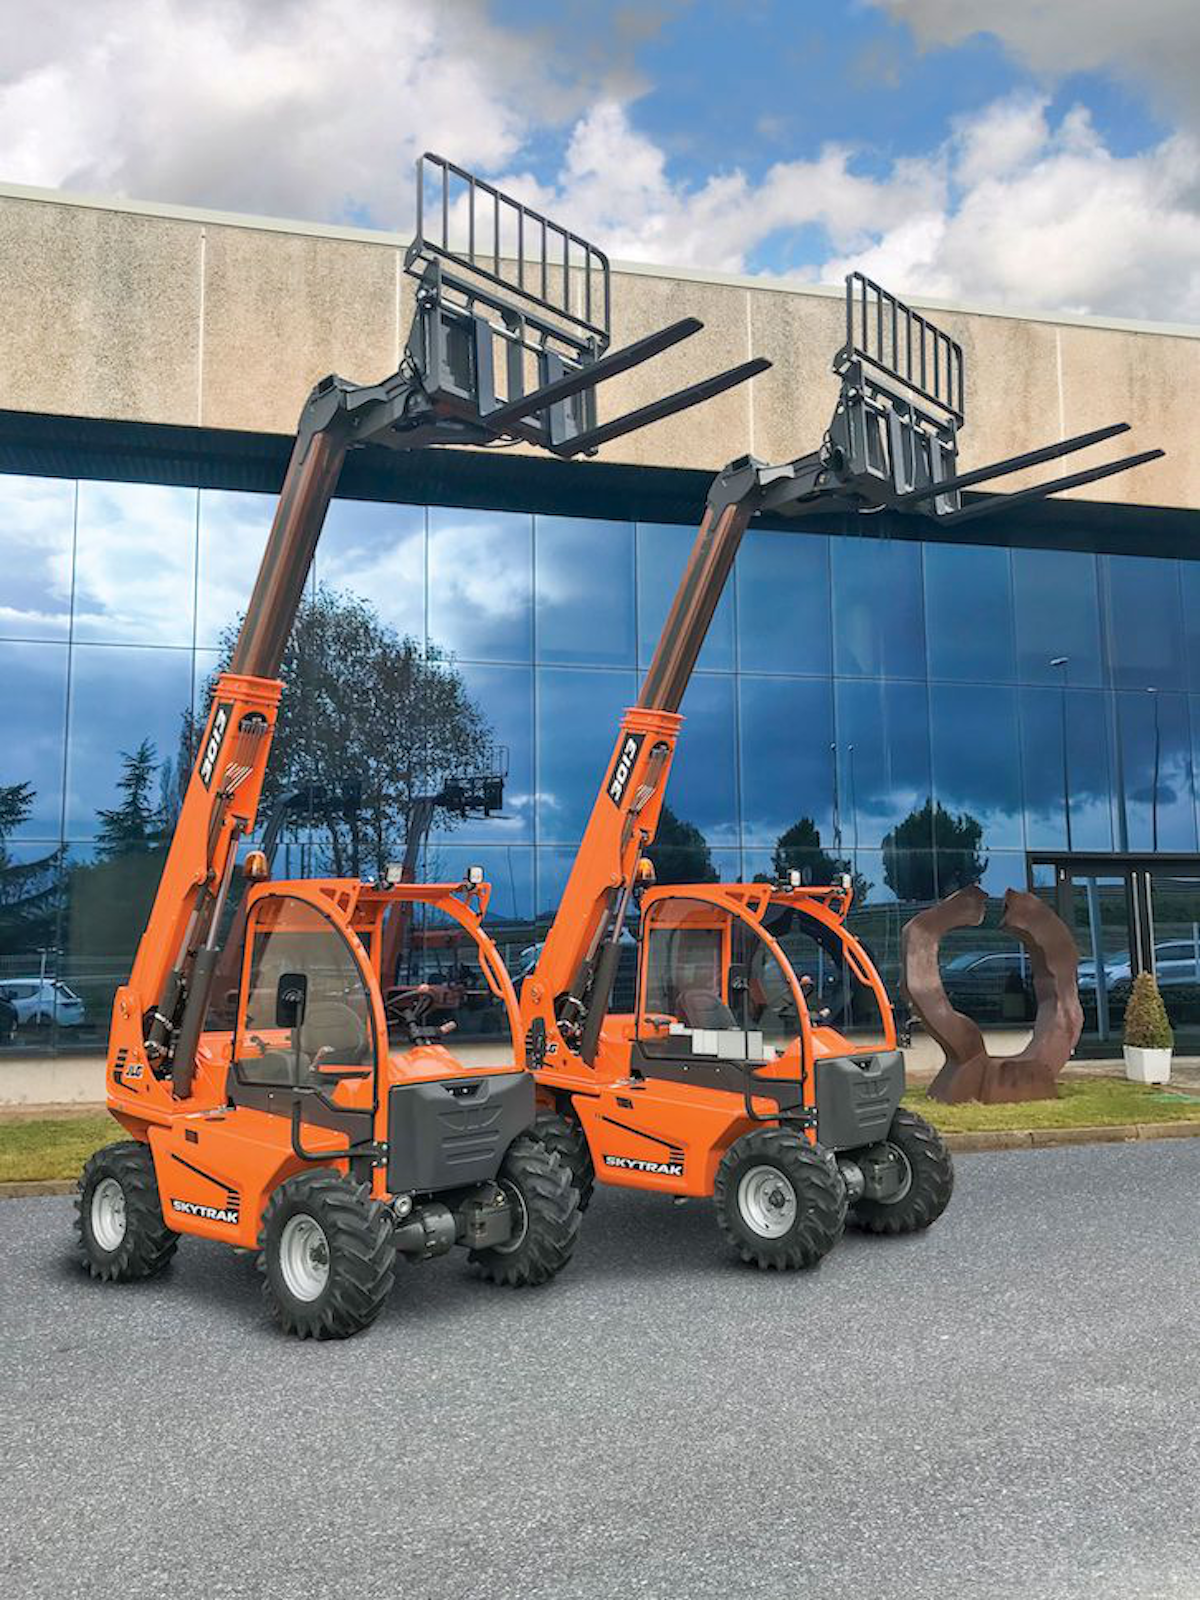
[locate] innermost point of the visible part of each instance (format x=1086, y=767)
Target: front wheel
x=328, y=1256
x=122, y=1235
x=927, y=1180
x=779, y=1201
x=545, y=1207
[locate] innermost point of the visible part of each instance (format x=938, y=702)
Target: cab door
x=306, y=1020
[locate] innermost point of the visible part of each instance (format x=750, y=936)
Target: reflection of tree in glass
x=908, y=853
x=134, y=826
x=29, y=891
x=362, y=704
x=680, y=853
x=799, y=849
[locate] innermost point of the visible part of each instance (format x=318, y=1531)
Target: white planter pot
x=1147, y=1066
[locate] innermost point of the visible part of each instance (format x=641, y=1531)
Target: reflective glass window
x=786, y=760
x=702, y=791
x=106, y=901
x=968, y=613
x=1156, y=762
x=584, y=585
x=135, y=564
x=125, y=743
x=503, y=699
x=1189, y=576
x=879, y=617
x=882, y=756
x=783, y=603
x=578, y=716
x=976, y=763
x=376, y=550
x=662, y=555
x=1057, y=614
x=1080, y=786
x=37, y=534
x=33, y=710
x=233, y=535
x=481, y=584
x=1146, y=623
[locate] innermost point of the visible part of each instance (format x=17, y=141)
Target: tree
x=680, y=853
x=133, y=827
x=16, y=803
x=928, y=834
x=30, y=891
x=799, y=849
x=364, y=706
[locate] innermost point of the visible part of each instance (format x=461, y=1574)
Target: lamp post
x=1157, y=761
x=1063, y=662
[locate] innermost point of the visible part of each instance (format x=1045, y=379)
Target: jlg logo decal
x=209, y=1213
x=626, y=761
x=208, y=761
x=665, y=1169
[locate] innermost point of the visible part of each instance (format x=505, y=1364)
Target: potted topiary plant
x=1148, y=1036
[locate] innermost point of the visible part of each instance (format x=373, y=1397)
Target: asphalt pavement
x=1007, y=1406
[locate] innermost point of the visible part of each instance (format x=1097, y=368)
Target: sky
x=1030, y=154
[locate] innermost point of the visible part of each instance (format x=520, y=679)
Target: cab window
x=301, y=964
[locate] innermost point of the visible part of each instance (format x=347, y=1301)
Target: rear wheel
x=545, y=1208
x=926, y=1186
x=563, y=1135
x=122, y=1235
x=779, y=1202
x=327, y=1254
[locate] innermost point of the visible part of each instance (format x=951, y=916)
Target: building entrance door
x=1129, y=914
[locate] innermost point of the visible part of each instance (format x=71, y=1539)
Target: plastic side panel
x=214, y=1174
x=666, y=1137
x=857, y=1098
x=453, y=1133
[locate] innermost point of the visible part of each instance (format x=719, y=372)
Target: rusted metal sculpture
x=969, y=1071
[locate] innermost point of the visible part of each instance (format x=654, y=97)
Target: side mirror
x=291, y=999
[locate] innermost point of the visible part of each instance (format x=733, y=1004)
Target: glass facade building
x=924, y=714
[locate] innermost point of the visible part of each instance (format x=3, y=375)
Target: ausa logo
x=665, y=1169
x=189, y=1208
x=626, y=761
x=216, y=738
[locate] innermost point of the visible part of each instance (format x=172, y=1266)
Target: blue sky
x=1031, y=154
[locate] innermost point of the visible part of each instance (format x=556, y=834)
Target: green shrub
x=1146, y=1025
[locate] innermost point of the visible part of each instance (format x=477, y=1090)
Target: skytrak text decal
x=209, y=1213
x=665, y=1169
x=212, y=749
x=626, y=761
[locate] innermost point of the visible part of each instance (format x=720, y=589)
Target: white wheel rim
x=108, y=1214
x=516, y=1201
x=304, y=1257
x=767, y=1202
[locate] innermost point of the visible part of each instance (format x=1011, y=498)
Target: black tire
x=931, y=1181
x=132, y=1241
x=352, y=1249
x=549, y=1205
x=562, y=1134
x=811, y=1193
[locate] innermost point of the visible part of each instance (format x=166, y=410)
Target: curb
x=1057, y=1138
x=35, y=1188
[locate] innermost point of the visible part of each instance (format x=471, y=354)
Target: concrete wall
x=161, y=314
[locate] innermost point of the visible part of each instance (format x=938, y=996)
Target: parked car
x=40, y=1001
x=991, y=985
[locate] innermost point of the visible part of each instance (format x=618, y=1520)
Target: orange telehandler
x=760, y=1064
x=307, y=1122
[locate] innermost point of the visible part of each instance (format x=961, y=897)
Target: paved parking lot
x=1007, y=1406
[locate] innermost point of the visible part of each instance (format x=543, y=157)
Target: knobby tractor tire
x=931, y=1181
x=354, y=1253
x=122, y=1235
x=562, y=1134
x=808, y=1207
x=547, y=1212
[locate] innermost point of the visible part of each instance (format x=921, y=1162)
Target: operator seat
x=334, y=1032
x=701, y=1008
